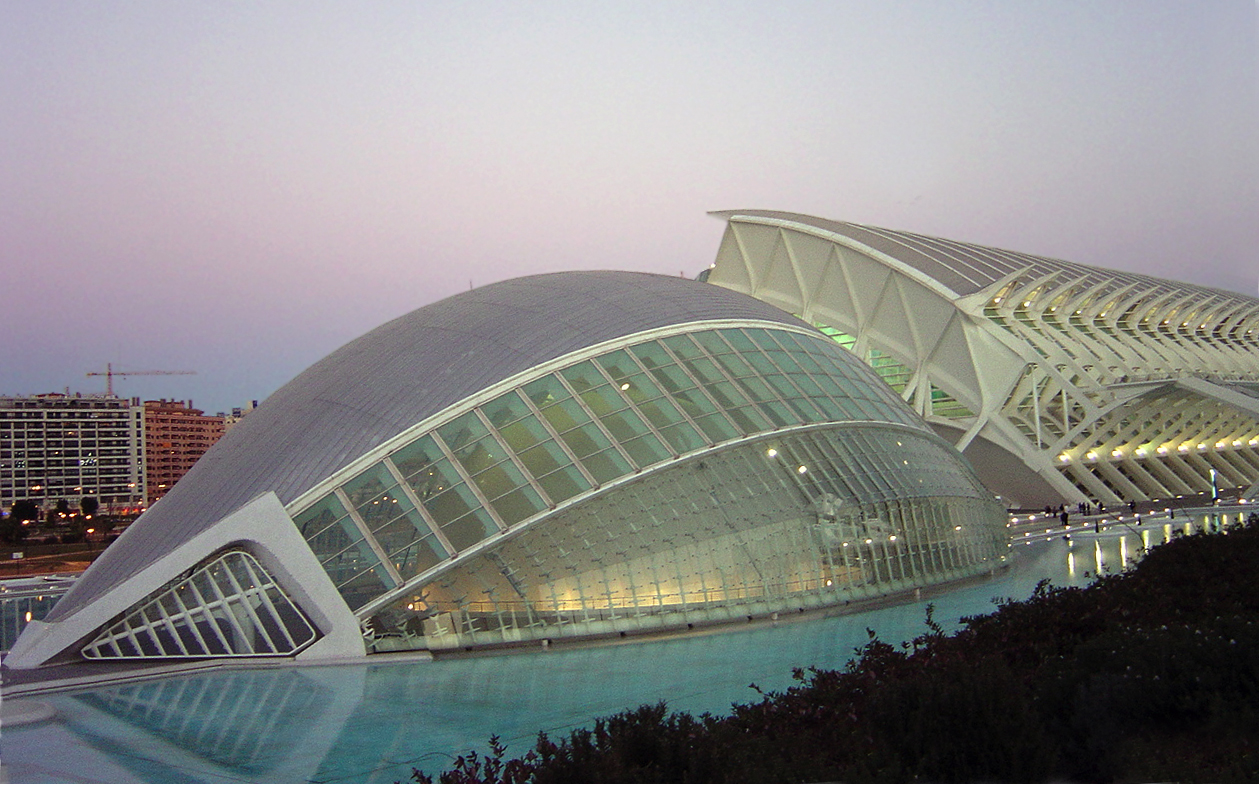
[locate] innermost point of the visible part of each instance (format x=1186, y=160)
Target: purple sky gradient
x=238, y=189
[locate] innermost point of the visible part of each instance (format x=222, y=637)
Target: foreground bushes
x=1151, y=675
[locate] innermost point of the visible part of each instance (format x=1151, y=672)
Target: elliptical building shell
x=1060, y=381
x=559, y=456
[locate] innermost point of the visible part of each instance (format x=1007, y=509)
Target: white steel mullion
x=242, y=599
x=204, y=608
x=189, y=619
x=225, y=605
x=169, y=624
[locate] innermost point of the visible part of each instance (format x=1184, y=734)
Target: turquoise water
x=374, y=722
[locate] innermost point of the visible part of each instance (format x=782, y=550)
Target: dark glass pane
x=418, y=556
x=461, y=431
x=606, y=466
x=564, y=484
x=545, y=391
x=585, y=440
x=504, y=409
x=469, y=530
x=524, y=433
x=544, y=459
x=416, y=457
x=517, y=505
x=646, y=450
x=583, y=376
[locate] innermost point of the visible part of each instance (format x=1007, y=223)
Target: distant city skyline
x=239, y=190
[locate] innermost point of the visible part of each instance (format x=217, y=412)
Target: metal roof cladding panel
x=394, y=377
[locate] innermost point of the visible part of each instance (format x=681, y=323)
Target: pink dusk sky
x=239, y=188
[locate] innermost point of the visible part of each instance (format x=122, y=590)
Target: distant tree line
x=1151, y=675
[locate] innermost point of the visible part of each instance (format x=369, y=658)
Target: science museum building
x=1061, y=382
x=557, y=457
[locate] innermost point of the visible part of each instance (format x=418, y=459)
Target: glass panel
x=517, y=505
x=704, y=370
x=619, y=365
x=784, y=361
x=682, y=346
x=452, y=503
x=603, y=400
x=583, y=376
x=565, y=415
x=624, y=425
x=760, y=362
x=374, y=494
x=735, y=366
x=545, y=391
x=672, y=378
x=416, y=457
x=459, y=432
x=747, y=419
x=564, y=484
x=807, y=362
x=585, y=440
x=645, y=450
x=504, y=409
x=682, y=437
x=362, y=588
x=544, y=459
x=319, y=516
x=779, y=414
x=481, y=454
x=418, y=556
x=639, y=387
x=500, y=479
x=334, y=539
x=606, y=466
x=436, y=478
x=469, y=530
x=739, y=340
x=806, y=384
x=763, y=339
x=715, y=427
x=660, y=412
x=651, y=354
x=525, y=433
x=401, y=530
x=758, y=390
x=712, y=342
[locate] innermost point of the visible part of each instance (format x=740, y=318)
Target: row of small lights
x=1028, y=304
x=1141, y=452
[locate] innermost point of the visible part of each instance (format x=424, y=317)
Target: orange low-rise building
x=175, y=436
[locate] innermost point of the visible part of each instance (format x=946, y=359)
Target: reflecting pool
x=374, y=722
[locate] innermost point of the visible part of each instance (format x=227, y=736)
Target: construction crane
x=110, y=373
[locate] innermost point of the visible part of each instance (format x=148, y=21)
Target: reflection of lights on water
x=1145, y=539
x=1097, y=556
x=1071, y=563
x=1123, y=552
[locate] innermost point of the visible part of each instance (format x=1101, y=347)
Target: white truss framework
x=1106, y=385
x=230, y=607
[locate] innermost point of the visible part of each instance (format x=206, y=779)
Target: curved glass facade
x=803, y=519
x=560, y=437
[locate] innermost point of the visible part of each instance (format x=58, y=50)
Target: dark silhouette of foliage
x=1152, y=675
